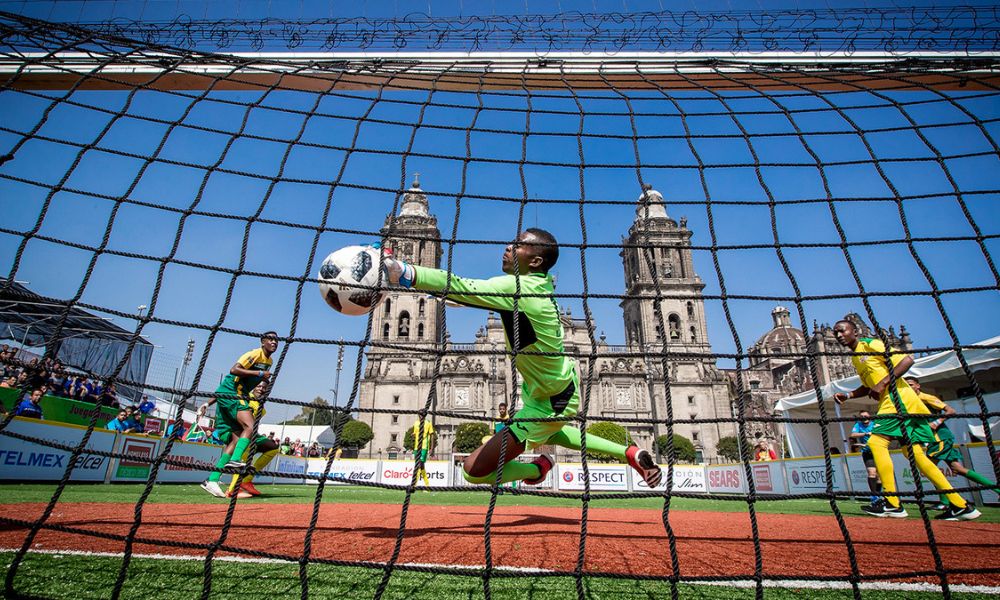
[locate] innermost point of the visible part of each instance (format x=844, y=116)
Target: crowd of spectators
x=300, y=448
x=51, y=377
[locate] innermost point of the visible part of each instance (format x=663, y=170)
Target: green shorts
x=943, y=448
x=537, y=433
x=229, y=403
x=918, y=429
x=224, y=434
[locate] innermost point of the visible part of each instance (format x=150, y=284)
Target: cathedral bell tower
x=657, y=252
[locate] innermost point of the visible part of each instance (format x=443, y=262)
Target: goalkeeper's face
x=528, y=260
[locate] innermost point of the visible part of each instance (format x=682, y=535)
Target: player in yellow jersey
x=870, y=363
x=234, y=406
x=943, y=449
x=422, y=445
x=266, y=447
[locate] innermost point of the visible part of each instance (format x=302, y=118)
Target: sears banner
x=35, y=462
x=809, y=476
x=979, y=457
x=602, y=477
x=726, y=478
x=399, y=472
x=136, y=467
x=357, y=470
x=687, y=478
x=199, y=460
x=768, y=477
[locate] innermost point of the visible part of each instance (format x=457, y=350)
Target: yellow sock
x=262, y=461
x=423, y=474
x=932, y=472
x=879, y=445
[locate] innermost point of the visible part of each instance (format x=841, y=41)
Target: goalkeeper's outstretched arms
x=534, y=252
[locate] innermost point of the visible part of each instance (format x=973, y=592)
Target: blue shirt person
x=30, y=407
x=118, y=423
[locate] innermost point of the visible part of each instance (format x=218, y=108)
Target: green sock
x=223, y=459
x=241, y=446
x=512, y=471
x=569, y=437
x=973, y=476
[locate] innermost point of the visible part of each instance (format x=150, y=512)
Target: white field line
x=885, y=586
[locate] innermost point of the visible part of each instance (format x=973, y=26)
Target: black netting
x=742, y=142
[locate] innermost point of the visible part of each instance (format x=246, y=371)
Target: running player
x=943, y=449
x=550, y=387
x=234, y=406
x=422, y=445
x=266, y=447
x=874, y=373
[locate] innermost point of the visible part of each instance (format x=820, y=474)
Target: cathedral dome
x=782, y=338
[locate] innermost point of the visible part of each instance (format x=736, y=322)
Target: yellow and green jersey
x=256, y=361
x=935, y=404
x=872, y=368
x=538, y=325
x=425, y=442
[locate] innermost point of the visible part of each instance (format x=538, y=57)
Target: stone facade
x=473, y=378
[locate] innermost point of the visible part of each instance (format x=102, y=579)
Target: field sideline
x=298, y=494
x=534, y=538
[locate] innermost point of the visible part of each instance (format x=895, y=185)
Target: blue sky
x=194, y=293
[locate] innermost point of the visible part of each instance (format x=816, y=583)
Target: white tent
x=938, y=371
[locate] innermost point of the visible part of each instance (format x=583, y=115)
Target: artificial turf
x=92, y=577
x=300, y=494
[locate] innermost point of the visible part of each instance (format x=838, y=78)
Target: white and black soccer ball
x=345, y=269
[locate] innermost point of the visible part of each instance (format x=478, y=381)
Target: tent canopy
x=940, y=370
x=85, y=341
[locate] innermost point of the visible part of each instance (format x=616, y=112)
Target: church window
x=420, y=307
x=385, y=330
x=776, y=351
x=694, y=436
x=690, y=400
x=395, y=399
x=675, y=327
x=694, y=335
x=395, y=419
x=388, y=305
x=394, y=438
x=420, y=331
x=754, y=385
x=404, y=325
x=690, y=307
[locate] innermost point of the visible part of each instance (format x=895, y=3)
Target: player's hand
x=399, y=272
x=266, y=376
x=840, y=397
x=201, y=410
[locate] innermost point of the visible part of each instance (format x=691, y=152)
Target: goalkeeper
x=550, y=387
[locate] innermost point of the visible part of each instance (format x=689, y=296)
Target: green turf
x=85, y=578
x=297, y=494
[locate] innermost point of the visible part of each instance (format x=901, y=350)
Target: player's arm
x=496, y=293
x=841, y=397
x=935, y=403
x=242, y=368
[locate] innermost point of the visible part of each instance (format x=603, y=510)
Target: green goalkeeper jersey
x=538, y=325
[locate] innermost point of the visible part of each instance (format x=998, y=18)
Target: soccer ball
x=346, y=268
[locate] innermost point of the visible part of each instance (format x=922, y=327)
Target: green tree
x=319, y=412
x=356, y=434
x=469, y=436
x=611, y=432
x=682, y=447
x=728, y=448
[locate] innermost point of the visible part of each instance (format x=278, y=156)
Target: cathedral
x=474, y=378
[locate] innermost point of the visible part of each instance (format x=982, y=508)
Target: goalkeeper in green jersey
x=550, y=387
